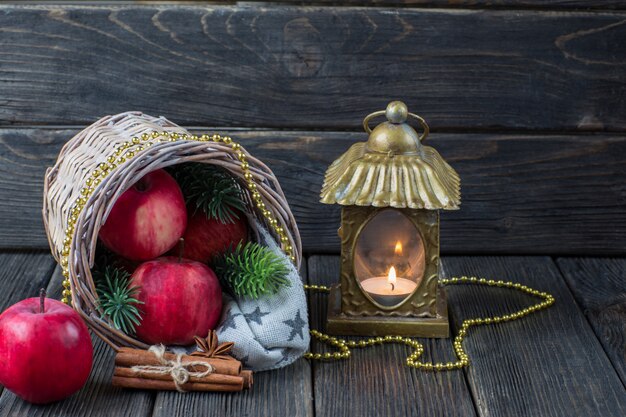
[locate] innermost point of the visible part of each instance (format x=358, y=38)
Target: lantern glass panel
x=389, y=258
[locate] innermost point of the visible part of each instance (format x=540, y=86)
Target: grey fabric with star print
x=270, y=332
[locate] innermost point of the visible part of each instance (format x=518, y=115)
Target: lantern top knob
x=395, y=136
x=396, y=112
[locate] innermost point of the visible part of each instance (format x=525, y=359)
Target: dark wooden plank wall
x=310, y=67
x=527, y=104
x=520, y=191
x=491, y=4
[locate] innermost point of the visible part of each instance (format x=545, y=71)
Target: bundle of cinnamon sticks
x=225, y=374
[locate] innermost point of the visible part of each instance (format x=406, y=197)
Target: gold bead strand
x=251, y=185
x=412, y=360
x=313, y=287
x=122, y=152
x=342, y=353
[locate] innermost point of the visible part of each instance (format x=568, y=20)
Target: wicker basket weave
x=96, y=166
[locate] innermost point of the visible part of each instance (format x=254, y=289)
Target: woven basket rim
x=99, y=203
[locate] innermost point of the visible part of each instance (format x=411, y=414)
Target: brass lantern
x=391, y=189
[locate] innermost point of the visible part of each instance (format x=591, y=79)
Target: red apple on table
x=147, y=219
x=45, y=350
x=207, y=237
x=181, y=299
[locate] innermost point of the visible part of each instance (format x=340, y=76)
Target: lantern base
x=340, y=324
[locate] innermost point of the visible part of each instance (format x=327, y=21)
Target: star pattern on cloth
x=255, y=316
x=297, y=325
x=284, y=356
x=229, y=322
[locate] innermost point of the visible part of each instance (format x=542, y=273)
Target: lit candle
x=388, y=291
x=398, y=249
x=401, y=264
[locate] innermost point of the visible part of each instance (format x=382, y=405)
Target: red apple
x=147, y=219
x=181, y=299
x=205, y=238
x=45, y=349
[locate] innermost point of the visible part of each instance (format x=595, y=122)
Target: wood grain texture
x=312, y=67
x=281, y=392
x=518, y=192
x=22, y=274
x=97, y=398
x=548, y=364
x=375, y=381
x=487, y=4
x=599, y=286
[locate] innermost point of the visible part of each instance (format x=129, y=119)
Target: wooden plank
x=312, y=67
x=548, y=364
x=375, y=381
x=282, y=392
x=473, y=4
x=599, y=286
x=24, y=157
x=518, y=191
x=97, y=398
x=22, y=274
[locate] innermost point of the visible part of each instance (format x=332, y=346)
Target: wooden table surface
x=568, y=360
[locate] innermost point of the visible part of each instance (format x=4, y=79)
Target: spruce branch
x=211, y=189
x=251, y=270
x=117, y=298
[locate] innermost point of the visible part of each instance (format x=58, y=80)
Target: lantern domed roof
x=392, y=169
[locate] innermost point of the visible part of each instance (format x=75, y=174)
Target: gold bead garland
x=128, y=150
x=344, y=346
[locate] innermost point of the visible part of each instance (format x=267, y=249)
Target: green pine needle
x=211, y=189
x=251, y=270
x=117, y=298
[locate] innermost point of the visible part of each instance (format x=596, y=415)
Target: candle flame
x=391, y=277
x=398, y=249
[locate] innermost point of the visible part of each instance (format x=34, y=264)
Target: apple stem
x=42, y=299
x=181, y=249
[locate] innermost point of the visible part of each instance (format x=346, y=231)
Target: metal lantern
x=391, y=189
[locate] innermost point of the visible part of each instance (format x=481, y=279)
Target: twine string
x=179, y=371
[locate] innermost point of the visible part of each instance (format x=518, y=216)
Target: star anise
x=210, y=347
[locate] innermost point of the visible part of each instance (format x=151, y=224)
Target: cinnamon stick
x=246, y=374
x=128, y=357
x=218, y=379
x=155, y=384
